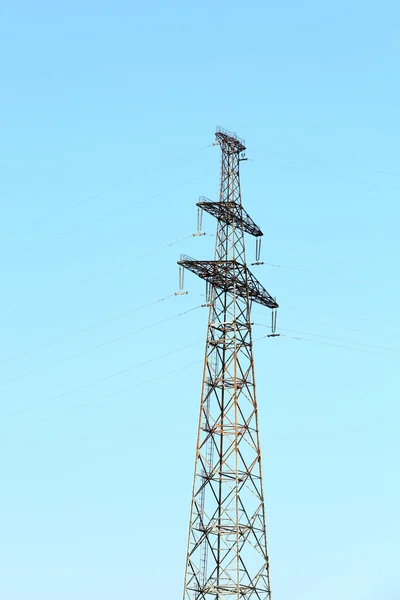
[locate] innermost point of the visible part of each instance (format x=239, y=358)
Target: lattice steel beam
x=230, y=213
x=230, y=275
x=227, y=556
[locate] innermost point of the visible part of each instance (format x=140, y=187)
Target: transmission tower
x=227, y=547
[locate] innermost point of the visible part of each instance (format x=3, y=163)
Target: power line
x=327, y=162
x=130, y=312
x=326, y=337
x=316, y=273
x=117, y=339
x=84, y=330
x=98, y=220
x=342, y=177
x=132, y=260
x=153, y=325
x=334, y=339
x=112, y=393
x=146, y=381
x=341, y=316
x=364, y=331
x=79, y=406
x=113, y=267
x=84, y=200
x=91, y=383
x=336, y=345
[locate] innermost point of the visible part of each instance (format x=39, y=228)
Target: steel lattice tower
x=227, y=548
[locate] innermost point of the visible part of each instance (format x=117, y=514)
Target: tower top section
x=230, y=139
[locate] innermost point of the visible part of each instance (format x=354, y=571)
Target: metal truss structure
x=227, y=547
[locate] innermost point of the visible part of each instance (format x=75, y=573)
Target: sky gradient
x=108, y=113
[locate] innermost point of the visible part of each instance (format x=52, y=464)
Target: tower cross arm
x=232, y=213
x=230, y=275
x=258, y=293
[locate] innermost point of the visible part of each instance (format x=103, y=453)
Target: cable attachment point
x=273, y=324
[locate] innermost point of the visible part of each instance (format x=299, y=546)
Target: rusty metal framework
x=227, y=547
x=230, y=212
x=230, y=275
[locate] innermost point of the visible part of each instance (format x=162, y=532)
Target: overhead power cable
x=326, y=337
x=309, y=271
x=340, y=275
x=83, y=330
x=342, y=177
x=328, y=162
x=69, y=409
x=98, y=220
x=182, y=314
x=91, y=383
x=334, y=339
x=48, y=400
x=159, y=300
x=335, y=326
x=335, y=345
x=112, y=394
x=342, y=316
x=92, y=348
x=132, y=260
x=101, y=273
x=106, y=191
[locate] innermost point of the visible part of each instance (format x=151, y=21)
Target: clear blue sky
x=95, y=500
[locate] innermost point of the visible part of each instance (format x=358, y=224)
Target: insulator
x=181, y=278
x=199, y=219
x=208, y=291
x=273, y=324
x=258, y=249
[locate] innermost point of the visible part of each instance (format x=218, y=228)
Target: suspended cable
x=98, y=220
x=364, y=331
x=291, y=268
x=91, y=383
x=334, y=339
x=342, y=177
x=112, y=394
x=130, y=261
x=84, y=330
x=336, y=345
x=326, y=337
x=108, y=190
x=109, y=269
x=92, y=348
x=316, y=273
x=77, y=407
x=342, y=316
x=326, y=162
